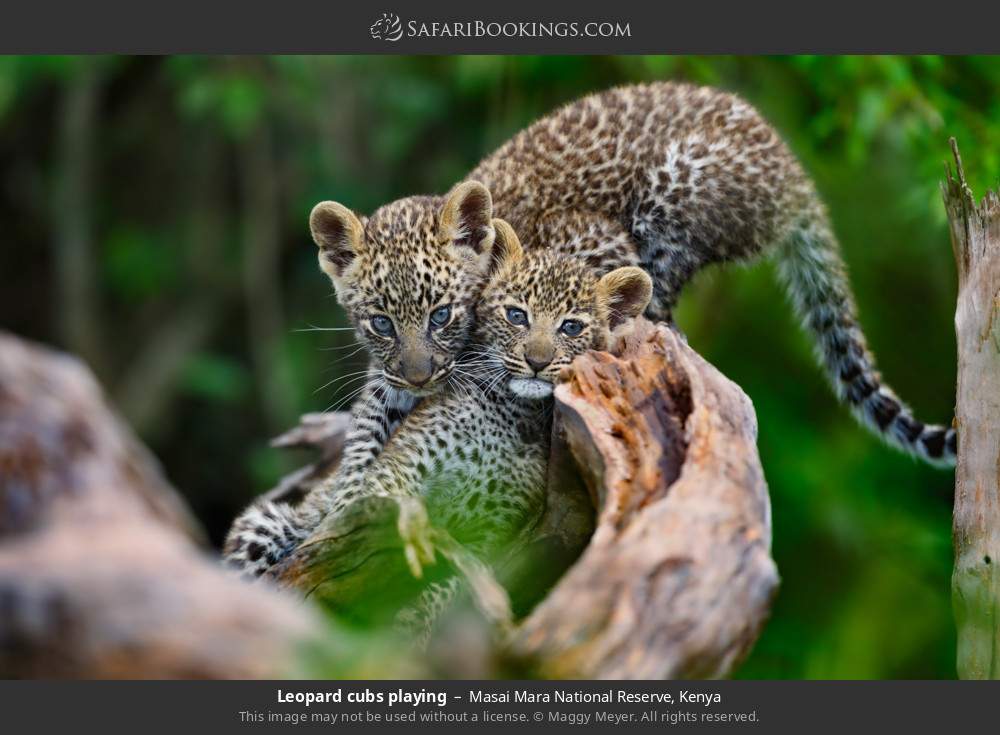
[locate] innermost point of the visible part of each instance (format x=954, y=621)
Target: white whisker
x=496, y=381
x=336, y=405
x=341, y=347
x=350, y=354
x=312, y=328
x=352, y=376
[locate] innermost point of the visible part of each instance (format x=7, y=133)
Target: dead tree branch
x=975, y=239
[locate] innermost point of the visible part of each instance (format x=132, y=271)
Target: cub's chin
x=530, y=388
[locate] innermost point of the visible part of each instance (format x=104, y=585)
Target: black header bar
x=511, y=27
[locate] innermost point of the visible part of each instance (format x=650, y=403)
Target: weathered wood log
x=101, y=574
x=677, y=579
x=975, y=239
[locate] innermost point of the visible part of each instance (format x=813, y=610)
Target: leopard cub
x=471, y=460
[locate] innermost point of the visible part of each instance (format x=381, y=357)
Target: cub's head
x=539, y=311
x=409, y=277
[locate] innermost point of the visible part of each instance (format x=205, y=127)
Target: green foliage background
x=154, y=221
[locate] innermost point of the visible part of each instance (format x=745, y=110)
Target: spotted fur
x=667, y=176
x=379, y=266
x=472, y=459
x=266, y=531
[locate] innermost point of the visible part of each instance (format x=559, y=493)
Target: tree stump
x=975, y=239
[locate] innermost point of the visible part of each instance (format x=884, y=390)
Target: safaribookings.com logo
x=387, y=28
x=390, y=28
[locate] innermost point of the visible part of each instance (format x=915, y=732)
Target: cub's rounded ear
x=466, y=217
x=625, y=293
x=339, y=235
x=506, y=249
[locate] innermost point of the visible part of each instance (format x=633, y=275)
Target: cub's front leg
x=387, y=476
x=267, y=531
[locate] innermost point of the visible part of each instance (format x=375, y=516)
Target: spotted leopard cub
x=472, y=459
x=667, y=176
x=413, y=307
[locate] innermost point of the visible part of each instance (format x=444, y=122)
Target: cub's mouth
x=438, y=380
x=531, y=388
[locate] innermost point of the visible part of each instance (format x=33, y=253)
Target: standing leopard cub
x=669, y=177
x=472, y=459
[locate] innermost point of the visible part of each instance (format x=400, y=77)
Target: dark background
x=154, y=211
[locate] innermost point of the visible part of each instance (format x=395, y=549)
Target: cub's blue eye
x=440, y=316
x=382, y=325
x=517, y=317
x=571, y=328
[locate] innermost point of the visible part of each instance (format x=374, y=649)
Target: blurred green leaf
x=137, y=266
x=216, y=378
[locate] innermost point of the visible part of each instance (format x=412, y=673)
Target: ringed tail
x=810, y=264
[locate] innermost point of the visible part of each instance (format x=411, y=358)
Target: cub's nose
x=418, y=377
x=538, y=353
x=417, y=368
x=537, y=364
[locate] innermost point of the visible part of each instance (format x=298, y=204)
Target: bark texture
x=677, y=579
x=975, y=238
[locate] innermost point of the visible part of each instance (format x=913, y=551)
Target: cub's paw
x=415, y=530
